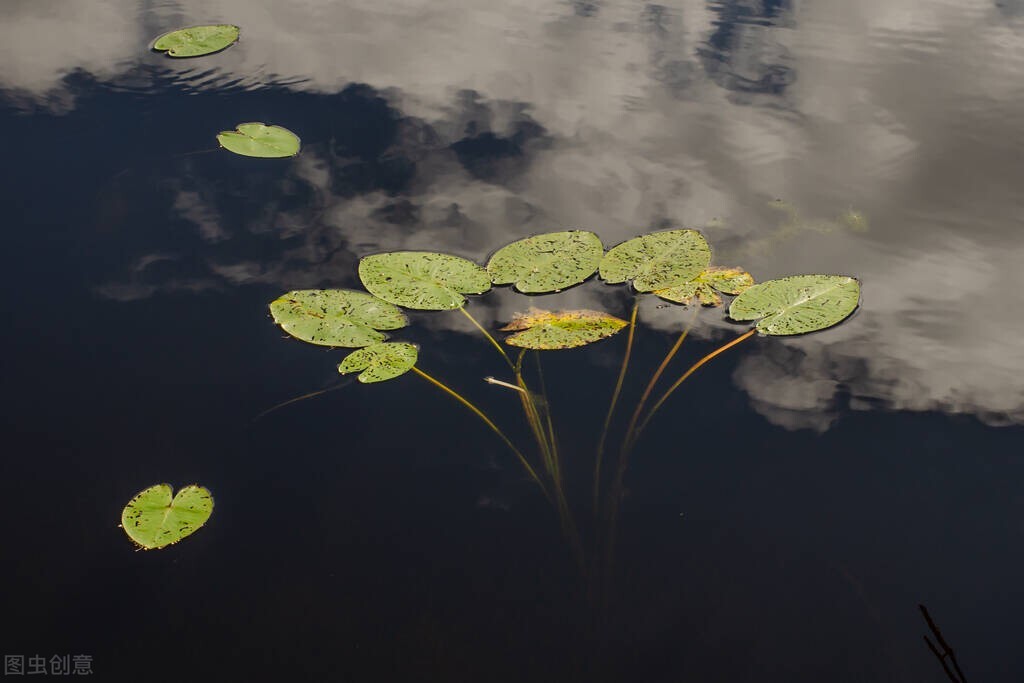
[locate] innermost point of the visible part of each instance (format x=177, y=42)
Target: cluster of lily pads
x=673, y=264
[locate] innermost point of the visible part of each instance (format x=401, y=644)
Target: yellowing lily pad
x=336, y=317
x=537, y=329
x=703, y=287
x=797, y=304
x=380, y=362
x=196, y=41
x=422, y=280
x=658, y=260
x=260, y=140
x=152, y=519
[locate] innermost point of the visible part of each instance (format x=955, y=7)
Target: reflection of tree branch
x=947, y=651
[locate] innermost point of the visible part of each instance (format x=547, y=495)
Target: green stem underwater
x=487, y=334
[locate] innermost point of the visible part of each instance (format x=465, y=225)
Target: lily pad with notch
x=657, y=260
x=422, y=280
x=547, y=263
x=336, y=317
x=197, y=41
x=798, y=304
x=152, y=519
x=537, y=329
x=260, y=140
x=380, y=362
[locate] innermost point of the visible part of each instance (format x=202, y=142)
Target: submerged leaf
x=725, y=280
x=196, y=41
x=658, y=260
x=336, y=317
x=260, y=140
x=153, y=520
x=562, y=330
x=548, y=262
x=379, y=362
x=797, y=304
x=422, y=280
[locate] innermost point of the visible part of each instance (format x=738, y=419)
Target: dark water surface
x=786, y=512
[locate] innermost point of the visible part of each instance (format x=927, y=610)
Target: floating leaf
x=196, y=41
x=797, y=304
x=725, y=280
x=562, y=330
x=379, y=362
x=548, y=262
x=422, y=280
x=153, y=520
x=260, y=140
x=336, y=317
x=658, y=260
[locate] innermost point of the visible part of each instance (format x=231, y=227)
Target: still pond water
x=785, y=513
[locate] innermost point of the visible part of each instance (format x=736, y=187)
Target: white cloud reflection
x=682, y=113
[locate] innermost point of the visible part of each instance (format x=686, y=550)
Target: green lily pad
x=703, y=287
x=260, y=140
x=658, y=260
x=422, y=280
x=379, y=362
x=336, y=317
x=797, y=304
x=196, y=41
x=562, y=330
x=547, y=263
x=154, y=520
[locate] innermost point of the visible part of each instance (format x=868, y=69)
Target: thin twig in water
x=947, y=651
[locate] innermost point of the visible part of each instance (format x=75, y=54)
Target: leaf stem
x=611, y=407
x=487, y=334
x=696, y=366
x=476, y=411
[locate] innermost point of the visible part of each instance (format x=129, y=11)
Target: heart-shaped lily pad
x=797, y=304
x=561, y=330
x=196, y=41
x=658, y=260
x=703, y=287
x=154, y=520
x=547, y=263
x=422, y=280
x=336, y=317
x=380, y=362
x=260, y=140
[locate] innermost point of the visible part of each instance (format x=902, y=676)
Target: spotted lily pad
x=548, y=262
x=260, y=140
x=336, y=317
x=703, y=287
x=154, y=520
x=658, y=260
x=422, y=280
x=379, y=362
x=196, y=41
x=537, y=329
x=797, y=304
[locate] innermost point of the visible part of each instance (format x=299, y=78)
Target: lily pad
x=196, y=41
x=154, y=520
x=260, y=140
x=548, y=262
x=703, y=287
x=561, y=330
x=379, y=362
x=336, y=317
x=797, y=304
x=658, y=260
x=422, y=280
